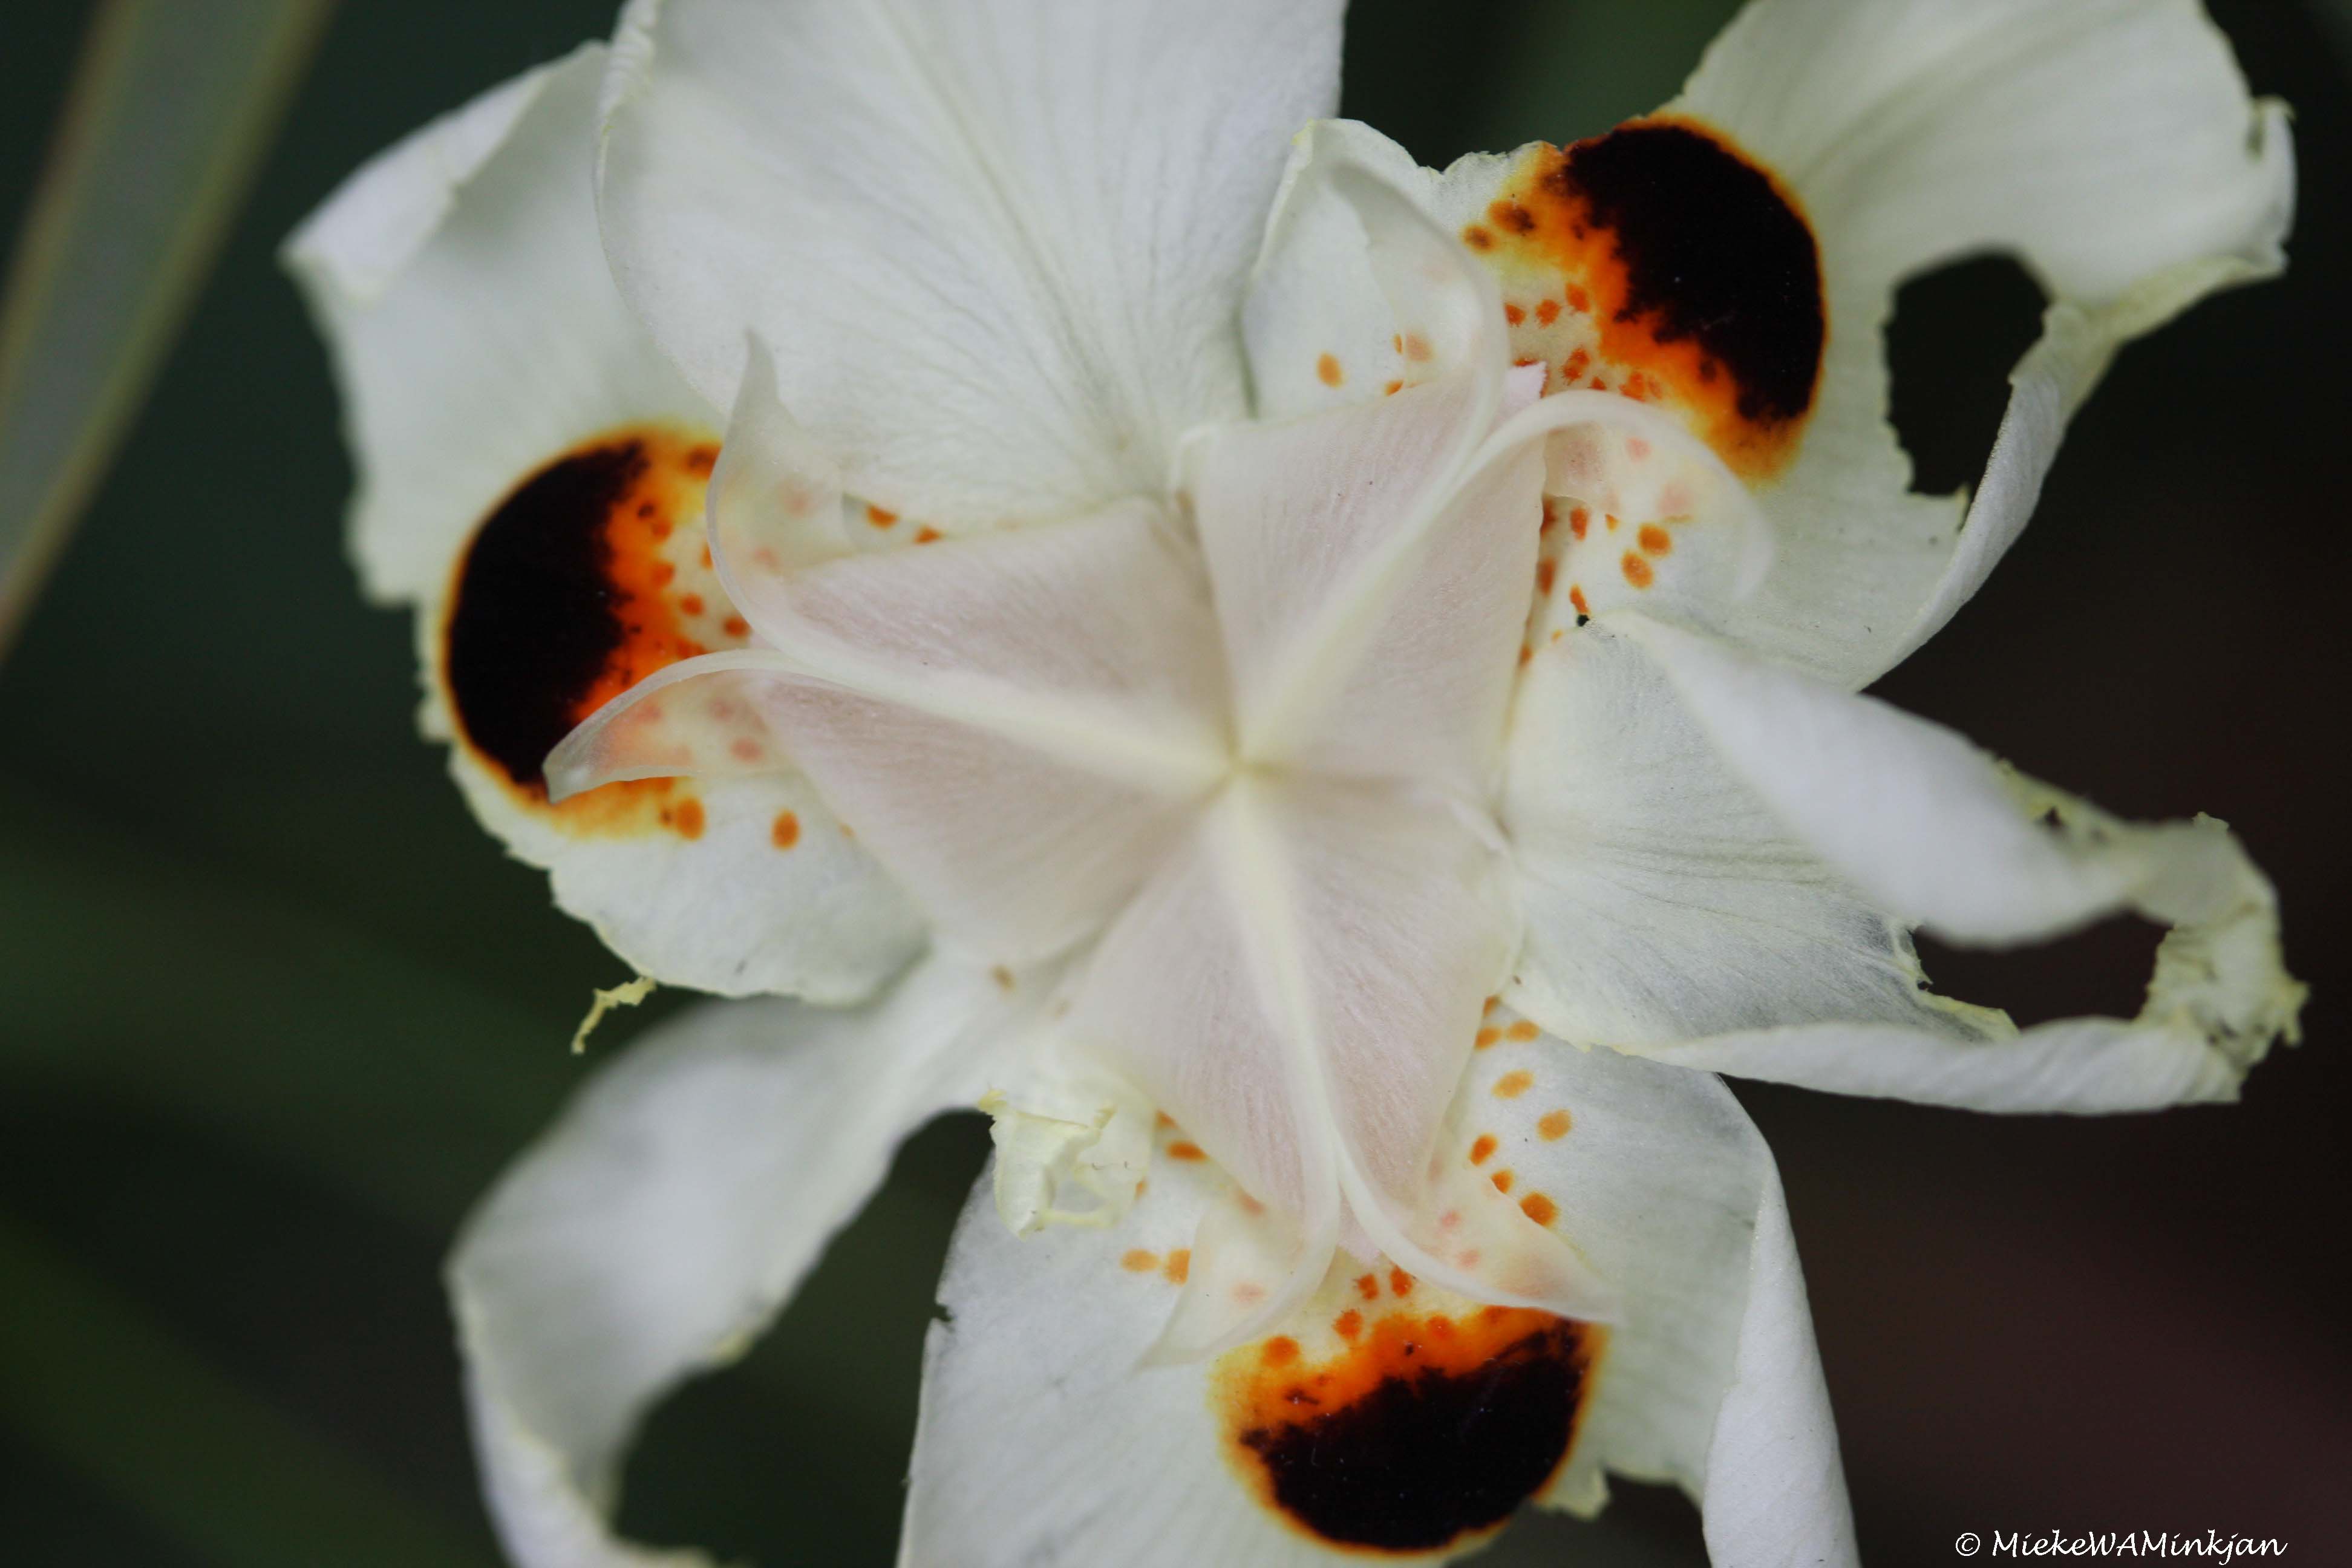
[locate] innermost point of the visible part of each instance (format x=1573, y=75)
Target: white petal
x=1936, y=832
x=998, y=246
x=1298, y=987
x=1046, y=1436
x=1709, y=1379
x=2110, y=145
x=1322, y=333
x=531, y=476
x=1664, y=900
x=1371, y=586
x=475, y=328
x=1015, y=723
x=1733, y=260
x=664, y=1220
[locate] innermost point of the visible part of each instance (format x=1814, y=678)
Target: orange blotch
x=1161, y=1119
x=1553, y=1126
x=1367, y=1286
x=1637, y=571
x=1512, y=1085
x=1415, y=1433
x=1489, y=1005
x=1502, y=1180
x=1486, y=1038
x=1138, y=1261
x=1183, y=1151
x=1696, y=267
x=1179, y=1267
x=1483, y=1150
x=1391, y=389
x=574, y=562
x=1477, y=238
x=1547, y=312
x=1417, y=349
x=1327, y=372
x=785, y=831
x=879, y=516
x=1655, y=540
x=745, y=749
x=1514, y=315
x=1400, y=1282
x=691, y=603
x=1546, y=572
x=926, y=534
x=1002, y=976
x=1539, y=1208
x=737, y=626
x=1522, y=1030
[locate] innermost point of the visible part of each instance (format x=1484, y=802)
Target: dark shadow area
x=1955, y=334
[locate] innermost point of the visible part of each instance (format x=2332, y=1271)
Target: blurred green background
x=273, y=1011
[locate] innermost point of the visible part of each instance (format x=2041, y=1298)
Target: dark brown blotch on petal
x=1422, y=1429
x=1699, y=274
x=570, y=593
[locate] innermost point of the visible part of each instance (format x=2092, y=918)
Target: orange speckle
x=1367, y=1286
x=1486, y=1038
x=1249, y=1293
x=1483, y=1150
x=1400, y=1282
x=1522, y=1030
x=737, y=626
x=1417, y=349
x=785, y=831
x=745, y=749
x=926, y=534
x=1514, y=315
x=1512, y=1085
x=691, y=603
x=1550, y=516
x=1554, y=1126
x=1526, y=655
x=1539, y=1208
x=702, y=459
x=1327, y=372
x=1547, y=312
x=1396, y=341
x=1348, y=1324
x=1637, y=571
x=1655, y=540
x=1545, y=572
x=1280, y=1351
x=1489, y=1005
x=1577, y=300
x=1391, y=389
x=1476, y=237
x=1183, y=1151
x=1161, y=1119
x=1180, y=1266
x=879, y=517
x=1577, y=365
x=1637, y=448
x=1502, y=1180
x=1138, y=1261
x=1002, y=976
x=688, y=819
x=1249, y=1204
x=1579, y=520
x=1576, y=597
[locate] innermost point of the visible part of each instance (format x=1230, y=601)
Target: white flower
x=1257, y=671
